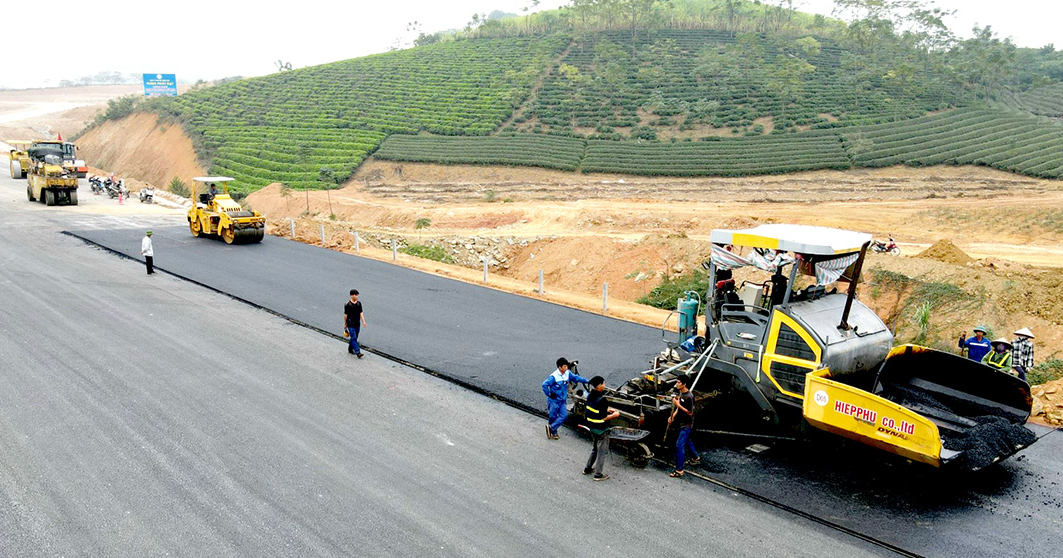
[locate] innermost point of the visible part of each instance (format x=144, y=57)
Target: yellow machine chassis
x=867, y=418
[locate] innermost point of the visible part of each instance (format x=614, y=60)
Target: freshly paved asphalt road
x=501, y=343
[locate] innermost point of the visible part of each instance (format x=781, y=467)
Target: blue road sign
x=160, y=85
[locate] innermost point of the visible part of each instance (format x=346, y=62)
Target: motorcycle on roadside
x=96, y=185
x=146, y=195
x=886, y=247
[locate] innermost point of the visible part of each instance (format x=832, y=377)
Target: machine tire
x=16, y=170
x=895, y=251
x=49, y=197
x=228, y=234
x=29, y=193
x=193, y=226
x=73, y=197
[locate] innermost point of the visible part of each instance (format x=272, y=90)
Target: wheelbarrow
x=632, y=441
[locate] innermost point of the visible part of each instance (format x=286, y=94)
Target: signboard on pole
x=160, y=85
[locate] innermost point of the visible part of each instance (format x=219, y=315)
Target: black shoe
x=359, y=355
x=600, y=477
x=350, y=350
x=588, y=471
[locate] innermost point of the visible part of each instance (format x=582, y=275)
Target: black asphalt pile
x=993, y=437
x=981, y=445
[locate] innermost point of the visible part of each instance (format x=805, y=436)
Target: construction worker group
x=1014, y=357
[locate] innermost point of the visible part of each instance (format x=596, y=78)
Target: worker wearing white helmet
x=1022, y=352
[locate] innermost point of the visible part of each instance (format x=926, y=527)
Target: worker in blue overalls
x=556, y=389
x=976, y=346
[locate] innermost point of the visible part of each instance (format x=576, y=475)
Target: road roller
x=215, y=213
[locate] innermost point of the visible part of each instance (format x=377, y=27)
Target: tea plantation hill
x=682, y=102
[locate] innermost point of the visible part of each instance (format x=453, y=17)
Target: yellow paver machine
x=214, y=212
x=815, y=356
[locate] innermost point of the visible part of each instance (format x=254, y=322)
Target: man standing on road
x=556, y=389
x=683, y=417
x=598, y=417
x=148, y=252
x=976, y=346
x=1022, y=352
x=353, y=320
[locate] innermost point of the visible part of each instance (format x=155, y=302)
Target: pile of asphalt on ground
x=992, y=437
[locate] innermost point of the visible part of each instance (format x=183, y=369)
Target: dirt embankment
x=140, y=147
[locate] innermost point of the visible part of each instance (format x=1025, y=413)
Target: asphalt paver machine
x=798, y=350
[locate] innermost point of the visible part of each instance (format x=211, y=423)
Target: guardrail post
x=605, y=297
x=357, y=247
x=394, y=251
x=485, y=271
x=540, y=281
x=322, y=235
x=292, y=223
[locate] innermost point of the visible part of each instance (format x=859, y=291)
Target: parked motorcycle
x=96, y=184
x=886, y=247
x=146, y=195
x=115, y=188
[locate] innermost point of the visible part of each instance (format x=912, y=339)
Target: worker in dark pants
x=353, y=320
x=598, y=417
x=683, y=418
x=148, y=252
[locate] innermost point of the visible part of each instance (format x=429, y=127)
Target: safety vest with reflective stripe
x=1000, y=361
x=596, y=411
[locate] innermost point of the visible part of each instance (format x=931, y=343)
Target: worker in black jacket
x=598, y=417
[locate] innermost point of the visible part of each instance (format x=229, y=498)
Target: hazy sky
x=201, y=39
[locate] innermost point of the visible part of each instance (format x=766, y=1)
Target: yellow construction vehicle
x=777, y=357
x=214, y=212
x=69, y=155
x=48, y=180
x=18, y=158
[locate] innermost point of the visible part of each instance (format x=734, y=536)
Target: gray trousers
x=600, y=452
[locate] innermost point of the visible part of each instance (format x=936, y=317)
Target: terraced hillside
x=692, y=79
x=290, y=125
x=676, y=102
